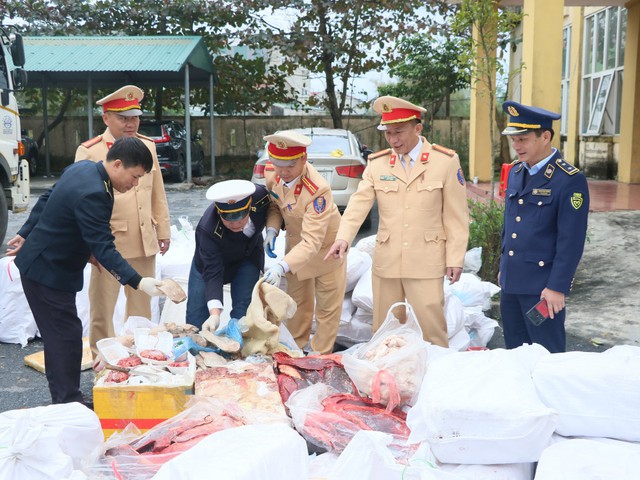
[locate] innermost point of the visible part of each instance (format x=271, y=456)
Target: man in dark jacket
x=68, y=227
x=545, y=226
x=229, y=249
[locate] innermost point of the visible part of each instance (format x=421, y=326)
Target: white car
x=336, y=154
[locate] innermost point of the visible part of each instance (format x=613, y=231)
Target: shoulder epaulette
x=92, y=142
x=263, y=202
x=139, y=135
x=373, y=156
x=268, y=167
x=566, y=167
x=309, y=185
x=445, y=150
x=515, y=162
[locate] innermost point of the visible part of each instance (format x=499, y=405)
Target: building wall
x=238, y=137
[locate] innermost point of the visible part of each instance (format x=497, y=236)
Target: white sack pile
x=47, y=443
x=465, y=301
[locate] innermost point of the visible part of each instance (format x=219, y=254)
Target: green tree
x=487, y=29
x=340, y=40
x=429, y=71
x=245, y=84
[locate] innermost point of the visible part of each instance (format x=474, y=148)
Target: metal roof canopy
x=114, y=61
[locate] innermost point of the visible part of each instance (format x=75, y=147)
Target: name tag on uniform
x=543, y=192
x=388, y=177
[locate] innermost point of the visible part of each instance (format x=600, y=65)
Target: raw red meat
x=129, y=362
x=153, y=354
x=343, y=415
x=295, y=373
x=179, y=364
x=116, y=377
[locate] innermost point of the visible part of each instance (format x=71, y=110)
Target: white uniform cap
x=125, y=101
x=396, y=110
x=286, y=147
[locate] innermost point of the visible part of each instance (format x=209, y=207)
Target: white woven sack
x=358, y=262
x=362, y=296
x=481, y=407
x=590, y=459
x=595, y=394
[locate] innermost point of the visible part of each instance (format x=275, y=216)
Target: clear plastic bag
x=390, y=367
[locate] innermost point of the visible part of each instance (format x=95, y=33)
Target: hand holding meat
x=212, y=323
x=149, y=286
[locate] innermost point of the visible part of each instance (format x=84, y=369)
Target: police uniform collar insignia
x=549, y=171
x=219, y=229
x=392, y=159
x=424, y=158
x=264, y=201
x=576, y=200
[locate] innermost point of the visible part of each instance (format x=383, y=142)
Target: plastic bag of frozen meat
x=390, y=367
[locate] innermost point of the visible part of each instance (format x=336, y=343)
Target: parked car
x=30, y=152
x=337, y=155
x=170, y=138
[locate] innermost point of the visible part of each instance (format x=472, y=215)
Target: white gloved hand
x=274, y=274
x=211, y=323
x=149, y=285
x=270, y=243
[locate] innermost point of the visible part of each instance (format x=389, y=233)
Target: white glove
x=211, y=323
x=149, y=286
x=274, y=274
x=270, y=243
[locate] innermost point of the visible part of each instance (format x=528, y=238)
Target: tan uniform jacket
x=424, y=219
x=311, y=220
x=140, y=216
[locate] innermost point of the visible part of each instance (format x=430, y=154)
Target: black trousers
x=57, y=319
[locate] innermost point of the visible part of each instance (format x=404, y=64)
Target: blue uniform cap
x=523, y=118
x=232, y=198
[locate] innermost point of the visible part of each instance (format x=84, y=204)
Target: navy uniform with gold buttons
x=228, y=250
x=545, y=225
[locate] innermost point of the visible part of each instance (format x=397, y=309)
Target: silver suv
x=336, y=154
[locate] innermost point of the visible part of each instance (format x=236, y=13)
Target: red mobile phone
x=539, y=312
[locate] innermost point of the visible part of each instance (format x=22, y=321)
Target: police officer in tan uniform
x=302, y=199
x=140, y=219
x=424, y=225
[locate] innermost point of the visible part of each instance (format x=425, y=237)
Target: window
x=604, y=39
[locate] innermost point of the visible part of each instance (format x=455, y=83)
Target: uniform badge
x=512, y=111
x=543, y=192
x=576, y=200
x=549, y=171
x=319, y=204
x=424, y=158
x=389, y=178
x=460, y=176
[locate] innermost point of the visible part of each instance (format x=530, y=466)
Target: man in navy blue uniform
x=229, y=249
x=68, y=227
x=545, y=226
